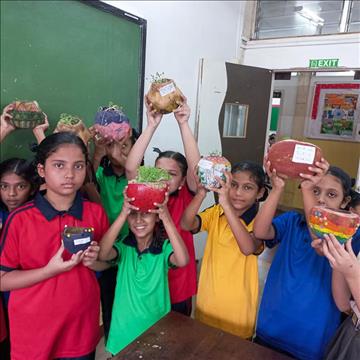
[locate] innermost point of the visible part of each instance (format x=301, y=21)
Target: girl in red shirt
x=55, y=302
x=182, y=281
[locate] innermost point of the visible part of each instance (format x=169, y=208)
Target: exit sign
x=323, y=63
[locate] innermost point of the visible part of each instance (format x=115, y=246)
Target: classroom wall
x=179, y=33
x=296, y=52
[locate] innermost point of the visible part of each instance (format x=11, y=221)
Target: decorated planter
x=26, y=115
x=211, y=166
x=164, y=95
x=77, y=238
x=149, y=187
x=73, y=124
x=111, y=122
x=292, y=157
x=342, y=224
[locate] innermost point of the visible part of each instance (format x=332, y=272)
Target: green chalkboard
x=72, y=57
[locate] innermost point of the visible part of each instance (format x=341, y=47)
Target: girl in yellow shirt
x=228, y=285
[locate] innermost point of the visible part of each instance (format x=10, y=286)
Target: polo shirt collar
x=50, y=212
x=155, y=247
x=248, y=216
x=108, y=170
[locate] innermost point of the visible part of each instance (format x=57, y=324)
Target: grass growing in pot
x=148, y=188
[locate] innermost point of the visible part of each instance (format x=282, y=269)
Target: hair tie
x=157, y=150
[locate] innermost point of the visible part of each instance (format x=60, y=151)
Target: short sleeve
x=281, y=226
x=102, y=224
x=356, y=242
x=207, y=217
x=9, y=245
x=168, y=250
x=100, y=176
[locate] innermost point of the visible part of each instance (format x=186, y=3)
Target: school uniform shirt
x=57, y=317
x=297, y=312
x=182, y=281
x=111, y=194
x=228, y=286
x=142, y=298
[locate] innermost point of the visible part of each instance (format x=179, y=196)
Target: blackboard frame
x=142, y=23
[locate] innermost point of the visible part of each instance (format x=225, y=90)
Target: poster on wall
x=335, y=112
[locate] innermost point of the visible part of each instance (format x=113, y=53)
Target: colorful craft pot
x=342, y=224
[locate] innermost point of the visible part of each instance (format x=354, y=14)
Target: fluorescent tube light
x=310, y=15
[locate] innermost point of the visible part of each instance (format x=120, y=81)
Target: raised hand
x=127, y=207
x=224, y=190
x=277, y=182
x=5, y=126
x=320, y=169
x=182, y=113
x=153, y=116
x=39, y=131
x=162, y=209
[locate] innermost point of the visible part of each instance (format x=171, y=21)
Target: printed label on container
x=304, y=154
x=167, y=89
x=82, y=241
x=205, y=164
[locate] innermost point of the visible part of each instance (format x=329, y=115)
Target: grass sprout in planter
x=149, y=186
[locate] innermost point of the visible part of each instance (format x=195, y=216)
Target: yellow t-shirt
x=228, y=286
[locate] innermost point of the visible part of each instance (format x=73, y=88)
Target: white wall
x=179, y=33
x=296, y=52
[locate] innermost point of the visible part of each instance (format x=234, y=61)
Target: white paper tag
x=167, y=89
x=205, y=164
x=82, y=241
x=304, y=154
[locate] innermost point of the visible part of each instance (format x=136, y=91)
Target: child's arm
x=90, y=258
x=346, y=272
x=180, y=257
x=107, y=252
x=192, y=154
x=247, y=243
x=137, y=152
x=307, y=185
x=39, y=131
x=189, y=220
x=99, y=148
x=263, y=228
x=18, y=279
x=5, y=127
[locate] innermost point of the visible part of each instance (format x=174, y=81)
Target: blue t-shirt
x=297, y=312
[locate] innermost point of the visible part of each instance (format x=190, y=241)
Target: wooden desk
x=177, y=337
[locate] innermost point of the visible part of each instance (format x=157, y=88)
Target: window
x=235, y=120
x=276, y=19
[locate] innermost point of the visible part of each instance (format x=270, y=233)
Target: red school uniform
x=182, y=281
x=57, y=317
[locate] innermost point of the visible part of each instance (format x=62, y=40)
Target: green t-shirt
x=111, y=193
x=143, y=297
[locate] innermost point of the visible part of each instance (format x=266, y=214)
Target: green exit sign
x=323, y=63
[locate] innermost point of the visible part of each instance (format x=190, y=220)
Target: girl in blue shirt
x=297, y=314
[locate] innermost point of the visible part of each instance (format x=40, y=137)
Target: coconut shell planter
x=164, y=95
x=26, y=115
x=77, y=238
x=149, y=187
x=211, y=166
x=342, y=224
x=73, y=124
x=111, y=122
x=292, y=157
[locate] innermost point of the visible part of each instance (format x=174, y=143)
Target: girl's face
x=244, y=191
x=172, y=167
x=15, y=191
x=64, y=170
x=117, y=152
x=142, y=224
x=329, y=192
